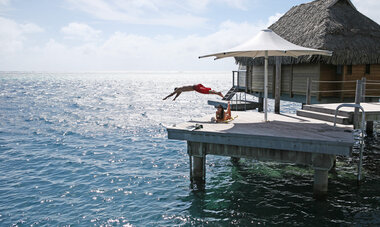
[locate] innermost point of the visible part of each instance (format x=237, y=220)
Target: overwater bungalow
x=334, y=25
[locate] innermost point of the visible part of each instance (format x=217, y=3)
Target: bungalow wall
x=293, y=78
x=357, y=72
x=294, y=81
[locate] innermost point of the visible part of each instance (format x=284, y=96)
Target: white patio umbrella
x=267, y=43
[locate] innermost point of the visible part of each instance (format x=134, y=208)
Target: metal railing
x=239, y=82
x=362, y=133
x=359, y=83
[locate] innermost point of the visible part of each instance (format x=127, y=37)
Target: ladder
x=362, y=134
x=230, y=93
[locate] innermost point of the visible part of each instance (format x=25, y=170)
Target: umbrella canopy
x=267, y=43
x=267, y=40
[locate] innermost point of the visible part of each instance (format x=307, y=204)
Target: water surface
x=87, y=149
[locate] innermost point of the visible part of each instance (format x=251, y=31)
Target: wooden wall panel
x=286, y=71
x=257, y=84
x=328, y=73
x=358, y=72
x=300, y=74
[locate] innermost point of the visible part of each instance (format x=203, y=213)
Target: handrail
x=333, y=81
x=238, y=86
x=362, y=133
x=351, y=105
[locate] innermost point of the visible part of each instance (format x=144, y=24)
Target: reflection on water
x=92, y=149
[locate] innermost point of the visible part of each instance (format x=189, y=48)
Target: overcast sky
x=131, y=35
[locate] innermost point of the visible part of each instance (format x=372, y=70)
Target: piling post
x=261, y=104
x=308, y=91
x=358, y=98
x=197, y=162
x=278, y=86
x=235, y=160
x=369, y=128
x=198, y=169
x=364, y=80
x=321, y=164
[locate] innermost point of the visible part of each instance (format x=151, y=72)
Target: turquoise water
x=91, y=149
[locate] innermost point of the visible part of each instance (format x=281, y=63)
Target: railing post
x=364, y=80
x=233, y=78
x=358, y=98
x=278, y=86
x=308, y=91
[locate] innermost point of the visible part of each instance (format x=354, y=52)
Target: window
x=368, y=69
x=339, y=69
x=349, y=69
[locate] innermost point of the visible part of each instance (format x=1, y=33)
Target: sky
x=134, y=35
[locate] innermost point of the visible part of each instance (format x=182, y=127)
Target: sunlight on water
x=92, y=149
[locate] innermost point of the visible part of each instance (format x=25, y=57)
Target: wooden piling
x=308, y=91
x=358, y=98
x=278, y=86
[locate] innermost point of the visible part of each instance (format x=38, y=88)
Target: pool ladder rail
x=362, y=134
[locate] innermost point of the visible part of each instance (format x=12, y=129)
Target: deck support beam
x=197, y=155
x=369, y=128
x=321, y=163
x=261, y=104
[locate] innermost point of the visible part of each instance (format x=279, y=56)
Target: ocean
x=91, y=149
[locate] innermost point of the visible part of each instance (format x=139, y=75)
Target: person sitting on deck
x=222, y=116
x=198, y=88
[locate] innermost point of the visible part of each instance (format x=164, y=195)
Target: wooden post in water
x=278, y=86
x=308, y=91
x=369, y=128
x=364, y=80
x=358, y=98
x=197, y=162
x=261, y=104
x=322, y=163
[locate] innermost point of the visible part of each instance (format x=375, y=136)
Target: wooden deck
x=282, y=132
x=372, y=109
x=284, y=138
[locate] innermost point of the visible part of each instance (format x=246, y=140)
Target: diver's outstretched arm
x=169, y=95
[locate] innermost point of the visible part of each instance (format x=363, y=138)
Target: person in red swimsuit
x=198, y=88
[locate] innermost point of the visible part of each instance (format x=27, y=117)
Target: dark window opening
x=339, y=69
x=349, y=69
x=368, y=69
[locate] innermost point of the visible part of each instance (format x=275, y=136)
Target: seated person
x=222, y=116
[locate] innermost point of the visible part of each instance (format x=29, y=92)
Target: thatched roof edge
x=333, y=25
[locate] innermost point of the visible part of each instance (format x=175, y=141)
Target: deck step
x=230, y=94
x=324, y=117
x=319, y=109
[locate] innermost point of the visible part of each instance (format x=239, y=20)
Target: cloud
x=184, y=14
x=80, y=31
x=13, y=35
x=125, y=51
x=154, y=12
x=370, y=8
x=4, y=2
x=201, y=5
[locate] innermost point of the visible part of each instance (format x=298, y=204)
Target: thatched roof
x=333, y=25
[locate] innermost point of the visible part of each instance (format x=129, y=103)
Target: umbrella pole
x=266, y=87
